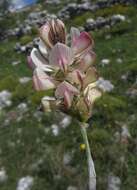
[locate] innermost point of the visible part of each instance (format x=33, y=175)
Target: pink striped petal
x=67, y=92
x=63, y=87
x=44, y=34
x=85, y=61
x=30, y=63
x=83, y=43
x=68, y=98
x=61, y=56
x=88, y=59
x=42, y=81
x=76, y=77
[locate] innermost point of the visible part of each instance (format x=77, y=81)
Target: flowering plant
x=68, y=73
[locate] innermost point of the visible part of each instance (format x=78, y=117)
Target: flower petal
x=61, y=56
x=68, y=98
x=39, y=61
x=47, y=102
x=92, y=93
x=30, y=63
x=63, y=87
x=91, y=76
x=66, y=92
x=83, y=43
x=85, y=61
x=83, y=108
x=43, y=49
x=76, y=77
x=42, y=81
x=44, y=34
x=75, y=33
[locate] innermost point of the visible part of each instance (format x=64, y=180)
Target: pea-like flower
x=68, y=71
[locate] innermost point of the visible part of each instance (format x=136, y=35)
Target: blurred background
x=40, y=151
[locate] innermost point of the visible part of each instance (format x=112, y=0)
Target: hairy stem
x=91, y=168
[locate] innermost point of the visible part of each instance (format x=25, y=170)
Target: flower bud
x=92, y=93
x=47, y=102
x=52, y=32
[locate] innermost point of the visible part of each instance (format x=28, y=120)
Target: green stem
x=91, y=168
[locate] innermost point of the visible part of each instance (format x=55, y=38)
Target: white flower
x=67, y=158
x=15, y=63
x=3, y=175
x=25, y=183
x=120, y=17
x=65, y=121
x=24, y=80
x=105, y=62
x=105, y=85
x=5, y=99
x=125, y=132
x=114, y=182
x=55, y=129
x=22, y=107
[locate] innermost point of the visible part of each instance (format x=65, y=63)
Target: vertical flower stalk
x=69, y=73
x=91, y=168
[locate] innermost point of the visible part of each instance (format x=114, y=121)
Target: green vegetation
x=23, y=143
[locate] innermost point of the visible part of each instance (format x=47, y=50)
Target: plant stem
x=91, y=168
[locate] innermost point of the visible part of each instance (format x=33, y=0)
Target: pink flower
x=68, y=71
x=66, y=91
x=42, y=81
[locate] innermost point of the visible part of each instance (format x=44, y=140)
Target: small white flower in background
x=22, y=107
x=38, y=115
x=105, y=85
x=107, y=37
x=67, y=158
x=24, y=80
x=23, y=48
x=14, y=63
x=5, y=99
x=55, y=129
x=120, y=17
x=25, y=183
x=3, y=175
x=119, y=60
x=90, y=21
x=125, y=132
x=114, y=182
x=124, y=77
x=105, y=62
x=66, y=121
x=132, y=92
